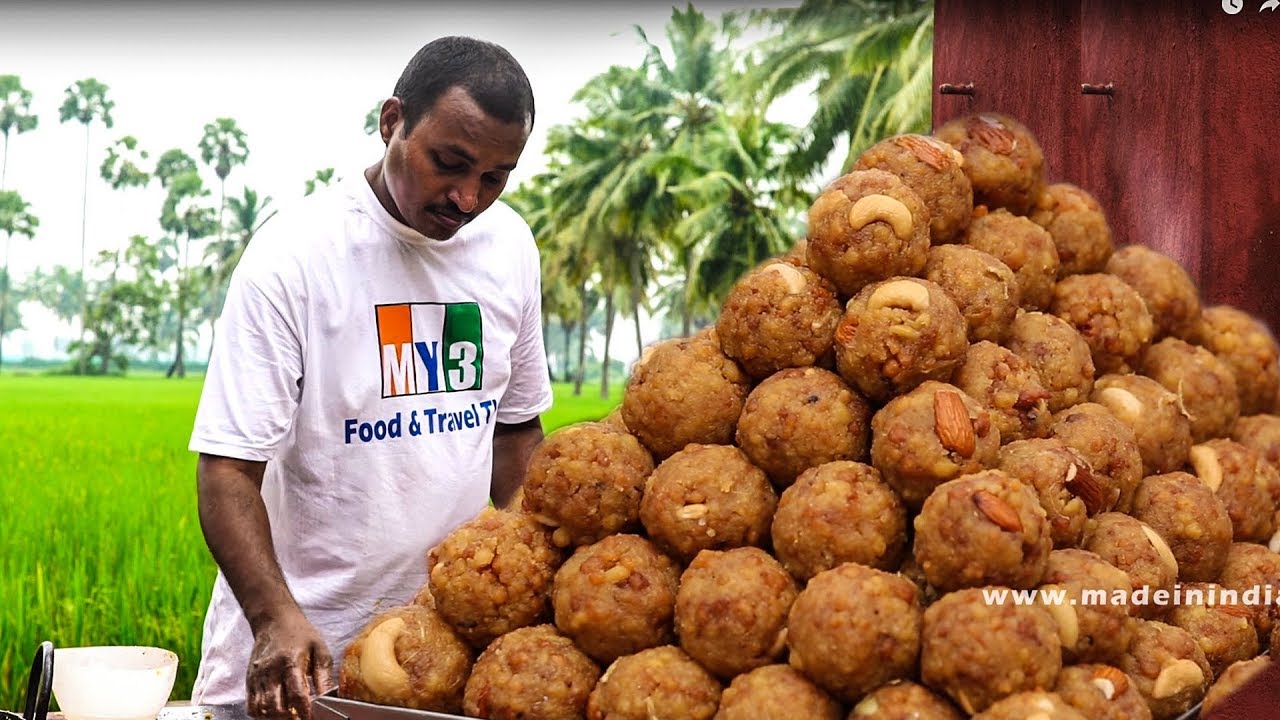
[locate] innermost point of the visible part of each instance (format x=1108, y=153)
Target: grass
x=100, y=536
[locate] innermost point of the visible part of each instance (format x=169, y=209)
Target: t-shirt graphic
x=430, y=348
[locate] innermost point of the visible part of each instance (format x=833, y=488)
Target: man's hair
x=487, y=72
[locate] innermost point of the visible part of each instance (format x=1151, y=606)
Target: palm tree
x=15, y=116
x=612, y=189
x=533, y=200
x=248, y=214
x=222, y=147
x=122, y=168
x=322, y=178
x=872, y=60
x=84, y=102
x=185, y=217
x=172, y=164
x=15, y=219
x=743, y=207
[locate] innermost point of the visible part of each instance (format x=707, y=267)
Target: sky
x=298, y=78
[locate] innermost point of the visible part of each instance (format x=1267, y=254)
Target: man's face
x=452, y=166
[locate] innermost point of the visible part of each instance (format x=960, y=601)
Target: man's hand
x=289, y=666
x=290, y=662
x=512, y=447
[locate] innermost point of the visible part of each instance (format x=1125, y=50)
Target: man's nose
x=465, y=195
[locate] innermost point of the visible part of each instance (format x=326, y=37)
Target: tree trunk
x=582, y=343
x=566, y=327
x=222, y=205
x=546, y=328
x=608, y=336
x=686, y=307
x=4, y=295
x=178, y=367
x=106, y=356
x=84, y=209
x=4, y=163
x=213, y=332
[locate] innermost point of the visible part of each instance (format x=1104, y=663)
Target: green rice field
x=100, y=542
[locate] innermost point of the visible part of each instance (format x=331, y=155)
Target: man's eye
x=453, y=167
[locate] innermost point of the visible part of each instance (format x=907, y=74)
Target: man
x=378, y=376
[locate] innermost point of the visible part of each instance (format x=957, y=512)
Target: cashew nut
x=617, y=574
x=692, y=512
x=792, y=277
x=1162, y=549
x=1065, y=616
x=379, y=667
x=1106, y=687
x=1176, y=677
x=1125, y=405
x=1205, y=460
x=904, y=294
x=881, y=208
x=867, y=707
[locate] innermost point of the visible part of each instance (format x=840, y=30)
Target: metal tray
x=331, y=707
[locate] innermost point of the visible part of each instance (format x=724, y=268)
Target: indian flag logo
x=430, y=348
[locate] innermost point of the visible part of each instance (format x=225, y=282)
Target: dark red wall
x=1184, y=155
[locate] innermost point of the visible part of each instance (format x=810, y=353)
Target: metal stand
x=39, y=686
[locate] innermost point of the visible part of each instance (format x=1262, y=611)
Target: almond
x=992, y=134
x=925, y=149
x=1114, y=676
x=1238, y=611
x=998, y=511
x=952, y=423
x=1085, y=485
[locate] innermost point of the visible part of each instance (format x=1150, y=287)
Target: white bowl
x=113, y=682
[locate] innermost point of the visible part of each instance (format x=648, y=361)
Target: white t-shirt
x=367, y=365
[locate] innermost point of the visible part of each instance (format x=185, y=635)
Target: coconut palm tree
x=15, y=116
x=15, y=219
x=222, y=147
x=186, y=217
x=560, y=298
x=85, y=102
x=872, y=61
x=743, y=207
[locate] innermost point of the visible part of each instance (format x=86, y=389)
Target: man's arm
x=290, y=661
x=512, y=447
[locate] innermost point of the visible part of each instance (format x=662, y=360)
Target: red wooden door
x=1179, y=154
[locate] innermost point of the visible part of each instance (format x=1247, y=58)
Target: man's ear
x=390, y=119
